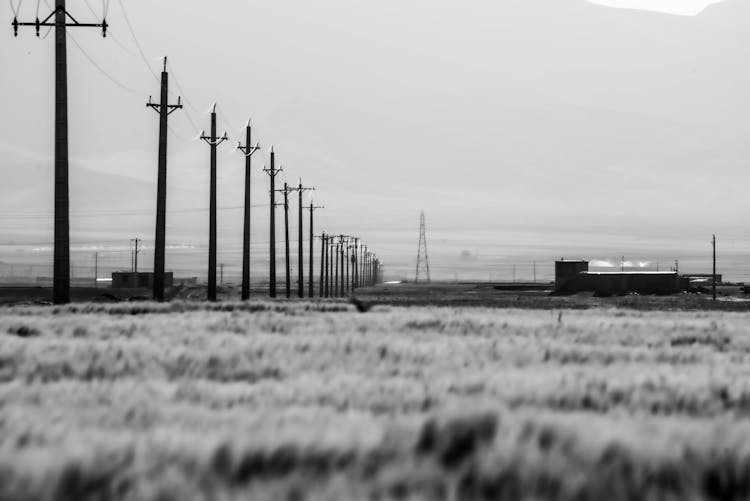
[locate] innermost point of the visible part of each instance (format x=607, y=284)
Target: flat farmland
x=298, y=400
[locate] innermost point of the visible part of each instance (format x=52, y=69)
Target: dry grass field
x=297, y=401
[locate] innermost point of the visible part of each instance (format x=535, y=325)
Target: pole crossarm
x=273, y=172
x=46, y=22
x=171, y=108
x=248, y=150
x=214, y=141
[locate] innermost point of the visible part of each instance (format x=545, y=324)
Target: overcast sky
x=570, y=122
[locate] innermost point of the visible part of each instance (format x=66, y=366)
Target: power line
x=138, y=212
x=101, y=70
x=137, y=43
x=105, y=10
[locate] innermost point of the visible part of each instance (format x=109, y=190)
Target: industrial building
x=138, y=280
x=572, y=277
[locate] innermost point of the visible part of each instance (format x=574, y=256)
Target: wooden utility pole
x=321, y=285
x=355, y=264
x=136, y=242
x=312, y=209
x=288, y=277
x=164, y=110
x=272, y=173
x=347, y=255
x=326, y=290
x=300, y=258
x=336, y=274
x=363, y=277
x=248, y=151
x=342, y=243
x=213, y=141
x=713, y=282
x=61, y=260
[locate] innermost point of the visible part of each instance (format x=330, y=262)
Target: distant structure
x=423, y=263
x=572, y=277
x=138, y=279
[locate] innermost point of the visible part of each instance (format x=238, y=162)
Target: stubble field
x=317, y=401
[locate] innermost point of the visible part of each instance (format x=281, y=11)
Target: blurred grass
x=316, y=401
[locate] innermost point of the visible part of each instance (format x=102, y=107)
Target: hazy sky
x=515, y=124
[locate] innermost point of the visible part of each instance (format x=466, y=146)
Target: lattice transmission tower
x=423, y=263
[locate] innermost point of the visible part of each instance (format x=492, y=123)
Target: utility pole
x=164, y=110
x=363, y=278
x=272, y=173
x=248, y=151
x=325, y=255
x=312, y=209
x=347, y=283
x=713, y=282
x=369, y=269
x=286, y=191
x=61, y=268
x=336, y=276
x=213, y=141
x=341, y=252
x=221, y=280
x=300, y=264
x=96, y=270
x=355, y=265
x=135, y=241
x=322, y=264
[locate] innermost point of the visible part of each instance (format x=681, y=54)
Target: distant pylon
x=423, y=263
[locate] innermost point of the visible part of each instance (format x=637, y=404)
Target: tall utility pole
x=325, y=265
x=713, y=282
x=336, y=274
x=300, y=263
x=312, y=209
x=423, y=263
x=136, y=242
x=213, y=141
x=355, y=264
x=342, y=243
x=326, y=242
x=61, y=271
x=164, y=110
x=347, y=283
x=322, y=264
x=272, y=173
x=248, y=151
x=288, y=277
x=363, y=273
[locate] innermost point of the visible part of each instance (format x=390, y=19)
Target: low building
x=572, y=277
x=138, y=280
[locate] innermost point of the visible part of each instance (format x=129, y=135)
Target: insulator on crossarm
x=104, y=28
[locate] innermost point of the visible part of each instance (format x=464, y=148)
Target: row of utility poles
x=345, y=265
x=365, y=267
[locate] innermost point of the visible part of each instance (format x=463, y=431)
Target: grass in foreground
x=315, y=401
